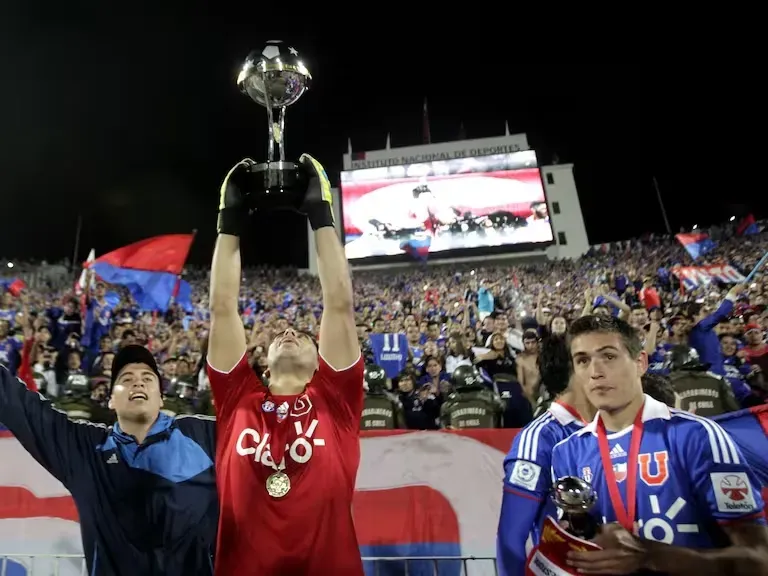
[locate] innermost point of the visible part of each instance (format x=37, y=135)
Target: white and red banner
x=695, y=276
x=418, y=494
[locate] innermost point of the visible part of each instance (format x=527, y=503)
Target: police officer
x=699, y=391
x=75, y=401
x=381, y=410
x=472, y=405
x=180, y=398
x=204, y=403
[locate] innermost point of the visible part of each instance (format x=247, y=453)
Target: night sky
x=130, y=117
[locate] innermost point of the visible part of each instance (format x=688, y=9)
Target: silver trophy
x=575, y=498
x=275, y=78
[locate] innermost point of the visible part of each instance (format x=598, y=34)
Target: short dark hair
x=659, y=388
x=607, y=325
x=530, y=335
x=554, y=364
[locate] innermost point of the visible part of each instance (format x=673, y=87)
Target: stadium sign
x=436, y=152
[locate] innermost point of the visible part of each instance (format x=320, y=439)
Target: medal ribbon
x=278, y=432
x=625, y=516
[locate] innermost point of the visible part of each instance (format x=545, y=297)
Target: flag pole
x=661, y=205
x=78, y=229
x=180, y=275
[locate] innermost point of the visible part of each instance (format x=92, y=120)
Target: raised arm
x=339, y=345
x=228, y=370
x=226, y=344
x=47, y=434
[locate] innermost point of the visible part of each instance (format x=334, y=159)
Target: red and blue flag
x=696, y=243
x=748, y=226
x=150, y=268
x=417, y=248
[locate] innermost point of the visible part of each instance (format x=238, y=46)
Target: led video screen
x=460, y=203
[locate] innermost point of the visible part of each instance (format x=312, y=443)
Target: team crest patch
x=586, y=474
x=525, y=474
x=282, y=411
x=268, y=406
x=620, y=470
x=733, y=492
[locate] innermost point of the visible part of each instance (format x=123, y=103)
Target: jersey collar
x=562, y=414
x=652, y=410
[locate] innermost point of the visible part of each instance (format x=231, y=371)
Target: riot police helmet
x=466, y=376
x=375, y=378
x=683, y=357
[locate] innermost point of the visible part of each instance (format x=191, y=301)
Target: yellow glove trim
x=223, y=189
x=325, y=184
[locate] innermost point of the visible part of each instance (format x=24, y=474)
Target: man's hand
x=622, y=553
x=318, y=203
x=231, y=200
x=736, y=290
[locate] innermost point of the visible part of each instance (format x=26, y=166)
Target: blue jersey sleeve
x=726, y=486
x=525, y=502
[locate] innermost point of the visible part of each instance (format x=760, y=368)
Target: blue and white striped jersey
x=527, y=483
x=691, y=476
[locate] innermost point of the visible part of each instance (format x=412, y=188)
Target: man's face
x=638, y=318
x=531, y=344
x=294, y=348
x=500, y=324
x=728, y=345
x=182, y=367
x=136, y=394
x=603, y=365
x=412, y=333
x=754, y=337
x=433, y=331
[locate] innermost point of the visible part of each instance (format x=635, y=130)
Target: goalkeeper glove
x=318, y=203
x=232, y=209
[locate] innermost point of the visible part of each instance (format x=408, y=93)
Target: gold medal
x=278, y=484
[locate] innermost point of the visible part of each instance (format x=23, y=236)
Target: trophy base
x=277, y=186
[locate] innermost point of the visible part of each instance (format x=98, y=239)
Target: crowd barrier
x=74, y=565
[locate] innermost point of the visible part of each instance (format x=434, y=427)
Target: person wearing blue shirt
x=485, y=301
x=144, y=488
x=702, y=334
x=526, y=499
x=674, y=492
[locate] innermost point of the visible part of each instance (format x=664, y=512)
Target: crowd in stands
x=497, y=317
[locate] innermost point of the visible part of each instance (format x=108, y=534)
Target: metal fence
x=74, y=565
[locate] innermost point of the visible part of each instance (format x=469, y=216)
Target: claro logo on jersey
x=251, y=443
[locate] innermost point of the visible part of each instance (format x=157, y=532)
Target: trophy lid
x=275, y=76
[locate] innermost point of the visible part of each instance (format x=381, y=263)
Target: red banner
x=694, y=276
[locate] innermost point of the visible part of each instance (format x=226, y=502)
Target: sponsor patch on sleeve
x=733, y=492
x=525, y=474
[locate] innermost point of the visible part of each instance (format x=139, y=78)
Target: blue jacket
x=148, y=509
